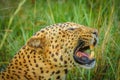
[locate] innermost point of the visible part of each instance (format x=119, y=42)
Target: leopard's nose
x=95, y=32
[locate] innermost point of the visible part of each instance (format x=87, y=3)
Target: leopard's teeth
x=91, y=47
x=92, y=55
x=92, y=52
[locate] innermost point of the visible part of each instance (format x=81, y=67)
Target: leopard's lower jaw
x=92, y=65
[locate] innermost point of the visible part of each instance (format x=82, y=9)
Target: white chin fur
x=88, y=66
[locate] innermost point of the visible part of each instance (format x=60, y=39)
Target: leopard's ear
x=36, y=42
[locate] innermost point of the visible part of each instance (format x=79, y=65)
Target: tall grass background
x=20, y=19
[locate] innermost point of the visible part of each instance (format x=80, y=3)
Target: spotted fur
x=48, y=54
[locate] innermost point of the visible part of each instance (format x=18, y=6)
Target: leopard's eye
x=71, y=28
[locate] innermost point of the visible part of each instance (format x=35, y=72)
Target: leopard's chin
x=82, y=58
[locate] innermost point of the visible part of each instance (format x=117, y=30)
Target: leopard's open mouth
x=83, y=58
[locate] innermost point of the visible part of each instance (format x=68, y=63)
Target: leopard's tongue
x=82, y=54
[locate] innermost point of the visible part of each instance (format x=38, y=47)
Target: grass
x=21, y=19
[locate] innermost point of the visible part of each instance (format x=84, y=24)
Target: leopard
x=52, y=52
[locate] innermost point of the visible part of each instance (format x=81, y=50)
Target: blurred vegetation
x=20, y=19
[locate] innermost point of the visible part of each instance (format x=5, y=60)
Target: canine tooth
x=92, y=55
x=91, y=47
